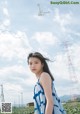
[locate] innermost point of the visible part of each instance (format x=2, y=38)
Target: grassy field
x=25, y=110
x=70, y=107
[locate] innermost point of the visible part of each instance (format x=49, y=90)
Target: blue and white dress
x=40, y=100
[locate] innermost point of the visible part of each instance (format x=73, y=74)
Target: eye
x=30, y=63
x=36, y=62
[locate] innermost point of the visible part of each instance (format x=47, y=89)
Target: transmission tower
x=71, y=70
x=2, y=94
x=41, y=12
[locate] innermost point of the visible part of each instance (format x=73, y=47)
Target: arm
x=46, y=81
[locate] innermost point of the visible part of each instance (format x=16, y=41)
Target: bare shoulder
x=45, y=75
x=45, y=78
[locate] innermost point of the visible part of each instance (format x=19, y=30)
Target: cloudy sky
x=55, y=32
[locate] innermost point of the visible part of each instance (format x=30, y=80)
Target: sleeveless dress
x=40, y=100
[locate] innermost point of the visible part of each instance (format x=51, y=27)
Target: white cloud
x=4, y=26
x=76, y=59
x=6, y=23
x=15, y=68
x=46, y=37
x=41, y=18
x=14, y=45
x=12, y=87
x=62, y=19
x=5, y=12
x=60, y=67
x=21, y=74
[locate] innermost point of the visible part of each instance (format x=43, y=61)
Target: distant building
x=30, y=104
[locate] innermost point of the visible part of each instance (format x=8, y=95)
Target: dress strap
x=38, y=79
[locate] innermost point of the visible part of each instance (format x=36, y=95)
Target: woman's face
x=35, y=65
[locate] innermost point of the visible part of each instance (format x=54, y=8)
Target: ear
x=42, y=64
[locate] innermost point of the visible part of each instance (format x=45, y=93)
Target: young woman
x=46, y=100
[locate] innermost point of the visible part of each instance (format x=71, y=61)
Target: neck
x=39, y=74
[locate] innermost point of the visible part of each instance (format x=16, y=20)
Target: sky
x=55, y=33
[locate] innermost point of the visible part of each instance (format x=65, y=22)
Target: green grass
x=24, y=110
x=72, y=107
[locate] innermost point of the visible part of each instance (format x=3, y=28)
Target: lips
x=33, y=69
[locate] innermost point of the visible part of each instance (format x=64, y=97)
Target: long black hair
x=43, y=60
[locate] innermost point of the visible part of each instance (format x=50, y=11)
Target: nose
x=33, y=66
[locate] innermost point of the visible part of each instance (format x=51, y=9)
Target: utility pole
x=2, y=94
x=22, y=99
